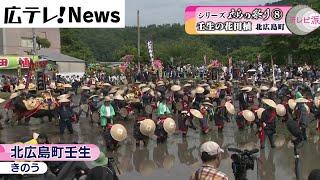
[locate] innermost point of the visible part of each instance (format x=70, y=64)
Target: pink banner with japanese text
x=48, y=152
x=236, y=20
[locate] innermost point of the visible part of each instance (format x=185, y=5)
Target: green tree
x=245, y=53
x=43, y=42
x=73, y=46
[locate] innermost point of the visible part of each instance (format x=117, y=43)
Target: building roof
x=58, y=57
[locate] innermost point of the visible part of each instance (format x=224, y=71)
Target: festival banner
x=14, y=62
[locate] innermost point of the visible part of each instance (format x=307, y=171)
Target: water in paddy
x=178, y=158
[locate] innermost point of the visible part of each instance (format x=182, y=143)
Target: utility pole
x=34, y=42
x=138, y=26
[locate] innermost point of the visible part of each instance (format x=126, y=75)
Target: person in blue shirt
x=65, y=113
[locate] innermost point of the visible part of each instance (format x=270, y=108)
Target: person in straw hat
x=162, y=112
x=268, y=122
x=262, y=94
x=84, y=96
x=160, y=132
x=301, y=112
x=137, y=134
x=185, y=119
x=162, y=109
x=65, y=114
x=244, y=98
x=204, y=121
x=184, y=122
x=222, y=92
x=241, y=121
x=113, y=135
x=220, y=116
x=199, y=97
x=146, y=96
x=106, y=113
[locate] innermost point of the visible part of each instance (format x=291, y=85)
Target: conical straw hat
x=196, y=113
x=281, y=110
x=269, y=102
x=248, y=115
x=118, y=132
x=199, y=90
x=147, y=127
x=230, y=107
x=63, y=96
x=145, y=89
x=64, y=100
x=292, y=104
x=169, y=125
x=259, y=112
x=302, y=100
x=175, y=88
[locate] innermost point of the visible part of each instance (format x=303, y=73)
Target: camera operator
x=103, y=169
x=211, y=158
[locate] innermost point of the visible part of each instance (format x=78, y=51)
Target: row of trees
x=171, y=42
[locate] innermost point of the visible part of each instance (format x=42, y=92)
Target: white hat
x=281, y=110
x=199, y=90
x=118, y=132
x=63, y=96
x=145, y=89
x=269, y=102
x=302, y=100
x=212, y=148
x=248, y=89
x=259, y=112
x=64, y=100
x=175, y=88
x=273, y=89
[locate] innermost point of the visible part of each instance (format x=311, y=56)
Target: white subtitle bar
x=23, y=167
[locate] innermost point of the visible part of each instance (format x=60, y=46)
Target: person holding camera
x=211, y=157
x=102, y=170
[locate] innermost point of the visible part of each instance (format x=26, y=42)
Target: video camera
x=242, y=161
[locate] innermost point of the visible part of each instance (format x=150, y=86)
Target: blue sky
x=172, y=11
